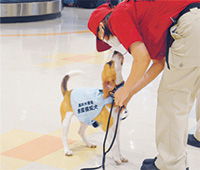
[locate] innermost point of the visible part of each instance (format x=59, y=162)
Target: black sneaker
x=150, y=166
x=193, y=141
x=149, y=161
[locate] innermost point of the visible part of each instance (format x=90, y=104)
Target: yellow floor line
x=44, y=34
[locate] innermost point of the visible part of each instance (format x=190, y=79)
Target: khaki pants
x=177, y=93
x=197, y=134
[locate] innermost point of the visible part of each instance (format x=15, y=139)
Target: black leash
x=115, y=134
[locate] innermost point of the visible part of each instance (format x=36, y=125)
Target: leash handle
x=92, y=168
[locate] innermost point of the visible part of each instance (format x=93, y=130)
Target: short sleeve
x=124, y=28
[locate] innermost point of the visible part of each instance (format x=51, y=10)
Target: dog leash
x=111, y=93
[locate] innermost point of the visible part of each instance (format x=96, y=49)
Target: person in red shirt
x=142, y=26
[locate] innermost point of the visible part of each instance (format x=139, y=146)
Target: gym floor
x=35, y=57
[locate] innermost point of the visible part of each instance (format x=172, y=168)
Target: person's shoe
x=150, y=166
x=149, y=161
x=193, y=141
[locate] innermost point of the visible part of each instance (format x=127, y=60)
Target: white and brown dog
x=92, y=106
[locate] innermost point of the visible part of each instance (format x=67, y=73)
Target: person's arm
x=138, y=77
x=148, y=77
x=139, y=66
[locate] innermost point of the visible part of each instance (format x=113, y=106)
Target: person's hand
x=120, y=96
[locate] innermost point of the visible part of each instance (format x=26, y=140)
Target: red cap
x=96, y=17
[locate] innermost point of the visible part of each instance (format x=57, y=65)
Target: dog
x=83, y=106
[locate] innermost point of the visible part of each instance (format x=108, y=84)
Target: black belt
x=187, y=9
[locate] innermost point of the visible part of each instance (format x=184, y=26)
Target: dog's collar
x=116, y=87
x=111, y=93
x=119, y=85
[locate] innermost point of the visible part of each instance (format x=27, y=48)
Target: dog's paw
x=120, y=159
x=118, y=162
x=92, y=146
x=68, y=153
x=124, y=160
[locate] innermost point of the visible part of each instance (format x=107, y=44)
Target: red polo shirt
x=146, y=21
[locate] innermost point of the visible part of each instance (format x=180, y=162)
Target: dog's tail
x=66, y=78
x=64, y=84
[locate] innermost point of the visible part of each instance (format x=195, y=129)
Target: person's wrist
x=126, y=90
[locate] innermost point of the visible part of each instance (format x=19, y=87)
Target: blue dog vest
x=87, y=104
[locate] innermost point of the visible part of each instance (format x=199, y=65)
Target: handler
x=142, y=27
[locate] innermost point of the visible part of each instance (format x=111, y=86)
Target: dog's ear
x=108, y=78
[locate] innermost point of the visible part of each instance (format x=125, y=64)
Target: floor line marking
x=44, y=34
